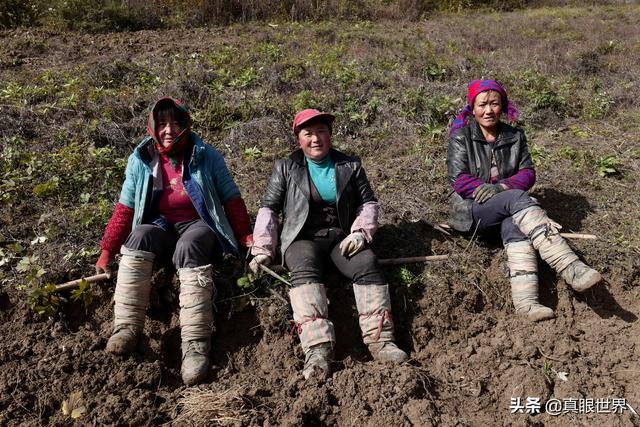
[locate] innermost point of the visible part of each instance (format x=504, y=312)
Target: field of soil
x=73, y=106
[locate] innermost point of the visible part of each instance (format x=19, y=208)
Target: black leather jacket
x=469, y=152
x=288, y=192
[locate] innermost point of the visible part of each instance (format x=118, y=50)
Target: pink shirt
x=175, y=204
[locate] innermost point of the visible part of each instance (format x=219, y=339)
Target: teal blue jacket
x=206, y=179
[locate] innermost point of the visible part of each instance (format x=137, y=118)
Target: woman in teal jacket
x=178, y=203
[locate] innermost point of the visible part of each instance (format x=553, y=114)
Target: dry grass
x=210, y=407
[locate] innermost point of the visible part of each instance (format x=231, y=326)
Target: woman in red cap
x=329, y=211
x=178, y=204
x=491, y=170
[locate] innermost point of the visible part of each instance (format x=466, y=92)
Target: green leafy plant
x=246, y=283
x=44, y=301
x=598, y=105
x=404, y=277
x=252, y=153
x=47, y=188
x=10, y=252
x=32, y=272
x=83, y=293
x=432, y=131
x=608, y=166
x=538, y=155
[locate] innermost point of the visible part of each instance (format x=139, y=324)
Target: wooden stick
x=565, y=235
x=391, y=261
x=415, y=259
x=579, y=236
x=91, y=279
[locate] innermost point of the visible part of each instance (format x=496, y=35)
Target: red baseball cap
x=309, y=114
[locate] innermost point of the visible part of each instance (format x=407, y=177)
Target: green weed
x=83, y=293
x=541, y=93
x=269, y=51
x=598, y=105
x=608, y=166
x=538, y=154
x=252, y=153
x=308, y=99
x=432, y=131
x=402, y=276
x=48, y=188
x=547, y=98
x=31, y=271
x=44, y=301
x=579, y=132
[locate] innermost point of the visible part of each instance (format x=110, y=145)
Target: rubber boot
x=316, y=332
x=523, y=270
x=374, y=307
x=196, y=322
x=545, y=237
x=131, y=297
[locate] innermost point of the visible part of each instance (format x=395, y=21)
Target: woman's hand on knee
x=352, y=244
x=484, y=192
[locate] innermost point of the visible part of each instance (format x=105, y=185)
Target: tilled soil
x=470, y=355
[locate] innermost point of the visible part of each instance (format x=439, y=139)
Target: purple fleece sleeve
x=465, y=183
x=523, y=180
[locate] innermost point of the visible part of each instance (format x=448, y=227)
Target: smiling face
x=315, y=140
x=487, y=109
x=168, y=128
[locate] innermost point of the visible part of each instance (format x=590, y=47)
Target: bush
x=16, y=12
x=100, y=16
x=131, y=15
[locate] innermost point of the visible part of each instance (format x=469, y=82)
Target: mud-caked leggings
x=192, y=247
x=306, y=258
x=497, y=214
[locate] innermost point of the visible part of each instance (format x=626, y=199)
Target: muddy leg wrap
x=545, y=237
x=131, y=299
x=523, y=270
x=317, y=336
x=196, y=321
x=374, y=309
x=554, y=249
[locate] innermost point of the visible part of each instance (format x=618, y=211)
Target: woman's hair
x=476, y=87
x=297, y=129
x=168, y=110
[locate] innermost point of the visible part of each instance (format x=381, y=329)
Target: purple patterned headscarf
x=476, y=87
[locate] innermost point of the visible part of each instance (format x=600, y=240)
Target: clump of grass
x=209, y=407
x=608, y=166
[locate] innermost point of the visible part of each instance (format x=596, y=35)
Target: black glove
x=486, y=191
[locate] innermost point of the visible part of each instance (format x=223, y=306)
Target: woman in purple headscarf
x=490, y=170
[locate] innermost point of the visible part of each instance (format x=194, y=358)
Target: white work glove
x=352, y=244
x=258, y=260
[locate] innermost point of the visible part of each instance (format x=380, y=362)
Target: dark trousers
x=187, y=244
x=306, y=259
x=495, y=214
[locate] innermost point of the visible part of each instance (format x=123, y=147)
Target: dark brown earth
x=470, y=354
